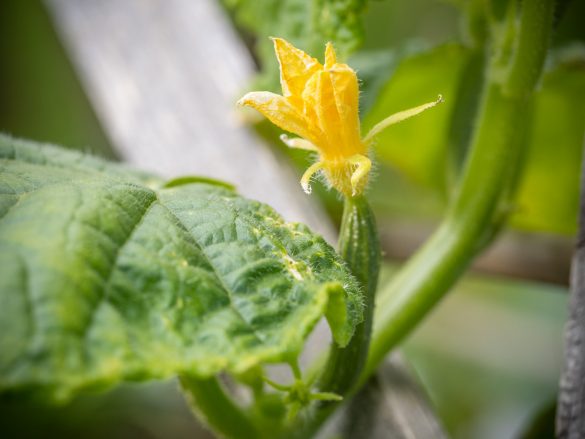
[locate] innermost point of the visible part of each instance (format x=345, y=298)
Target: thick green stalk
x=531, y=47
x=476, y=212
x=210, y=402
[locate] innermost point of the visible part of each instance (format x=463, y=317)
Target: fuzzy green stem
x=360, y=248
x=476, y=212
x=210, y=403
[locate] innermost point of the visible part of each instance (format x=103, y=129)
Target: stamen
x=306, y=178
x=364, y=165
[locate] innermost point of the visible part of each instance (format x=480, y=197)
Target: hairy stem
x=211, y=404
x=360, y=248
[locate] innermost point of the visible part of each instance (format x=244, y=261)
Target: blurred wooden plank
x=163, y=77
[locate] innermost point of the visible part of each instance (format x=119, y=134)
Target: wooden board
x=164, y=77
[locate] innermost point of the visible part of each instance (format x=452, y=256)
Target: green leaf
x=548, y=195
x=308, y=24
x=104, y=279
x=374, y=67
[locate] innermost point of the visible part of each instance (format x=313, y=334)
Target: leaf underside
x=106, y=275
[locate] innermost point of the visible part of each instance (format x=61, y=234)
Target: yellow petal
x=333, y=147
x=346, y=91
x=309, y=99
x=330, y=57
x=296, y=67
x=278, y=111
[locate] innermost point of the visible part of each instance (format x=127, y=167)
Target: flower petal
x=346, y=91
x=278, y=111
x=309, y=100
x=330, y=57
x=296, y=67
x=334, y=147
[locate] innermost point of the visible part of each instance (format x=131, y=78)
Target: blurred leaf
x=307, y=24
x=374, y=67
x=490, y=355
x=569, y=22
x=542, y=425
x=104, y=279
x=418, y=146
x=424, y=148
x=153, y=410
x=548, y=195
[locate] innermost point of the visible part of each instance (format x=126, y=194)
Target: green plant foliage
x=374, y=67
x=307, y=24
x=548, y=196
x=548, y=191
x=106, y=275
x=418, y=147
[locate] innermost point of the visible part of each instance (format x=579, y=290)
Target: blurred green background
x=40, y=95
x=490, y=355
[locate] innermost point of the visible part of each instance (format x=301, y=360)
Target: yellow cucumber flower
x=319, y=103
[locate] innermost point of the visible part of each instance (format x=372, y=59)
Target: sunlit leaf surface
x=106, y=275
x=548, y=197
